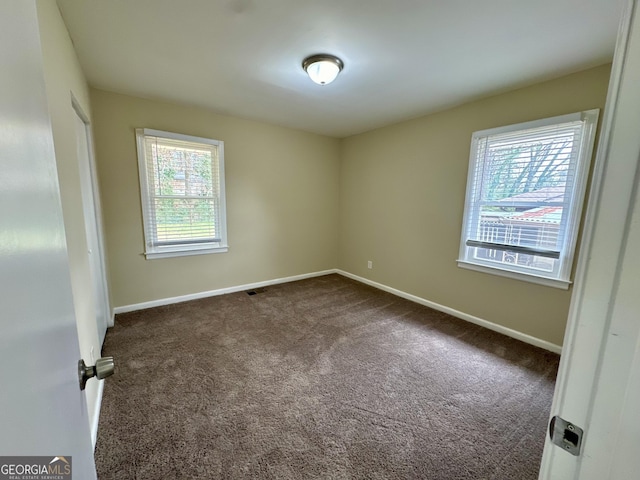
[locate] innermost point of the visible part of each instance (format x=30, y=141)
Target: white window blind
x=182, y=191
x=525, y=191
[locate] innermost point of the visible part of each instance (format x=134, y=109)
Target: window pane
x=182, y=189
x=179, y=219
x=528, y=171
x=181, y=171
x=522, y=211
x=198, y=179
x=524, y=188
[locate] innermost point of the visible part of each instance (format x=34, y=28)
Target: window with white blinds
x=525, y=191
x=182, y=191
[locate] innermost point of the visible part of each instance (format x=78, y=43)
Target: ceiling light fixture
x=323, y=68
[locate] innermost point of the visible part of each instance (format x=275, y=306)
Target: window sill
x=183, y=252
x=531, y=278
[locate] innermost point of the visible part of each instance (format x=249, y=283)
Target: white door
x=92, y=225
x=42, y=410
x=598, y=386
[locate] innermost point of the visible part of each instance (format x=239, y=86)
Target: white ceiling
x=403, y=58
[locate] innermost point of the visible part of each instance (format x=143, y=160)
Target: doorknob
x=103, y=368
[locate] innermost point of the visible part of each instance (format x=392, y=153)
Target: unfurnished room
x=279, y=239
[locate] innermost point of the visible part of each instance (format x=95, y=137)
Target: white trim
x=524, y=277
x=436, y=306
x=152, y=250
x=181, y=252
x=97, y=209
x=568, y=228
x=96, y=414
x=458, y=314
x=178, y=136
x=221, y=291
x=542, y=122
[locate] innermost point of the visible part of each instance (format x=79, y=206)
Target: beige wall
x=64, y=77
x=402, y=192
x=299, y=203
x=282, y=200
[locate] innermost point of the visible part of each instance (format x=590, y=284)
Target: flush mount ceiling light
x=322, y=68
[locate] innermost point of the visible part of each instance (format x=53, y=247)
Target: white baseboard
x=220, y=291
x=96, y=414
x=436, y=306
x=456, y=313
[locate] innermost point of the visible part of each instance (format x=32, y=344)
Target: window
x=182, y=189
x=525, y=191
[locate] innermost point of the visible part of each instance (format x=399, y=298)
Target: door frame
x=97, y=207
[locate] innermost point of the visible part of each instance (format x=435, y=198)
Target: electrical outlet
x=369, y=264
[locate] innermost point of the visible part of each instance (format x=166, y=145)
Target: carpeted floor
x=322, y=378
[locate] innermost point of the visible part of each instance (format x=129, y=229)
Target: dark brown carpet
x=322, y=378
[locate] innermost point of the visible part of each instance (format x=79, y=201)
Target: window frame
x=561, y=276
x=190, y=247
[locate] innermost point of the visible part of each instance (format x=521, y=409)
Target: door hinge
x=566, y=435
